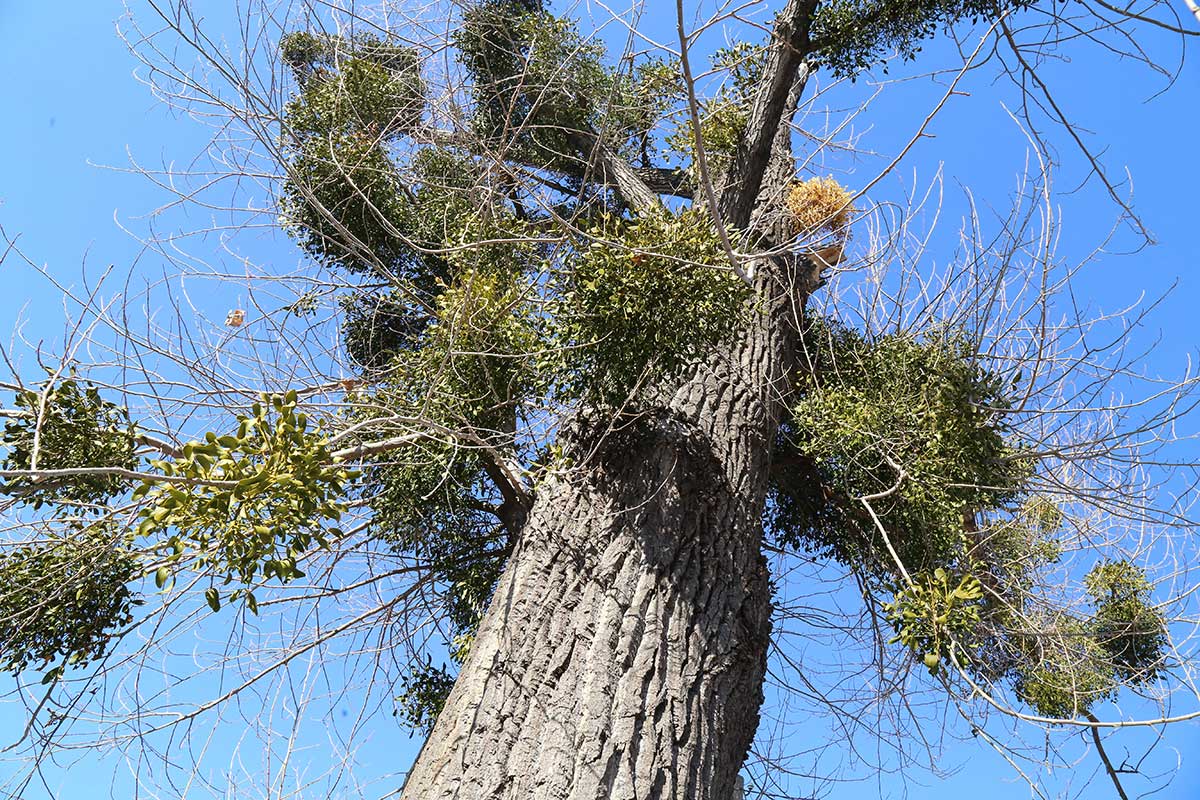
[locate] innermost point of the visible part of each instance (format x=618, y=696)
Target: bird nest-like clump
x=821, y=207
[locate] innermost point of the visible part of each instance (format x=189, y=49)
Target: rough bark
x=624, y=651
x=623, y=654
x=776, y=94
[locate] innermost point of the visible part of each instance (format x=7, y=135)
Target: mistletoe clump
x=1130, y=629
x=644, y=299
x=248, y=503
x=342, y=198
x=919, y=426
x=1063, y=669
x=903, y=469
x=66, y=425
x=851, y=36
x=1071, y=662
x=64, y=598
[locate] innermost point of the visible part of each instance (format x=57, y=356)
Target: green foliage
x=1126, y=625
x=919, y=426
x=363, y=84
x=63, y=598
x=723, y=117
x=73, y=427
x=1012, y=550
x=484, y=335
x=637, y=101
x=855, y=35
x=919, y=422
x=1071, y=664
x=438, y=210
x=378, y=327
x=935, y=610
x=345, y=200
x=1064, y=670
x=646, y=297
x=424, y=695
x=361, y=96
x=426, y=501
x=535, y=79
x=469, y=370
x=343, y=203
x=305, y=51
x=302, y=50
x=252, y=502
x=471, y=364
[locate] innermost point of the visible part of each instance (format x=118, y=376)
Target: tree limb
x=789, y=49
x=615, y=170
x=639, y=182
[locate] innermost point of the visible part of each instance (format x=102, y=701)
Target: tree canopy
x=522, y=239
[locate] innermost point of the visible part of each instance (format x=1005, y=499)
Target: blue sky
x=72, y=104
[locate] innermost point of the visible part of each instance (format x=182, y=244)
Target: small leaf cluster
x=253, y=501
x=934, y=611
x=423, y=695
x=642, y=300
x=1132, y=631
x=63, y=598
x=73, y=427
x=852, y=36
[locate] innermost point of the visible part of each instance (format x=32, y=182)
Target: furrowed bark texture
x=623, y=654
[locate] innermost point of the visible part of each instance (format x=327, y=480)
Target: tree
x=585, y=382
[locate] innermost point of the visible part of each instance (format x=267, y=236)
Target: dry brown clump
x=821, y=206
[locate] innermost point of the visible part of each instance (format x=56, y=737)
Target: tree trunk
x=622, y=657
x=624, y=651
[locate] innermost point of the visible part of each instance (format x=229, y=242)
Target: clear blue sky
x=72, y=103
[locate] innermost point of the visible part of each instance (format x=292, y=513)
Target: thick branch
x=606, y=166
x=790, y=47
x=515, y=508
x=666, y=180
x=616, y=171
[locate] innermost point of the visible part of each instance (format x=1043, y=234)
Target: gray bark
x=623, y=654
x=624, y=651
